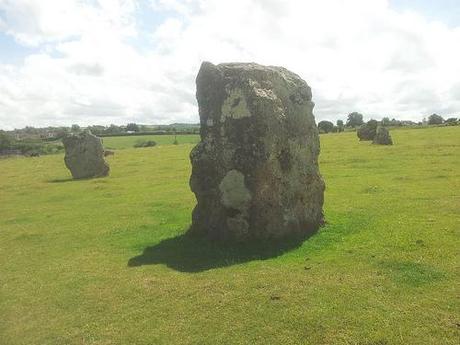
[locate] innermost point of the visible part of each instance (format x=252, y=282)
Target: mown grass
x=104, y=261
x=126, y=142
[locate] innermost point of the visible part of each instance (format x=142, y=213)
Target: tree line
x=355, y=120
x=55, y=133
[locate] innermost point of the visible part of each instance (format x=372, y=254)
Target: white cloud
x=34, y=22
x=357, y=55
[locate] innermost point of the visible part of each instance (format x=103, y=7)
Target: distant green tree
x=30, y=130
x=339, y=126
x=394, y=122
x=61, y=132
x=325, y=126
x=354, y=120
x=452, y=121
x=113, y=129
x=97, y=130
x=75, y=128
x=6, y=141
x=132, y=127
x=144, y=128
x=435, y=119
x=386, y=121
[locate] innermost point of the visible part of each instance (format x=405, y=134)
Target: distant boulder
x=145, y=143
x=382, y=137
x=108, y=153
x=367, y=131
x=84, y=155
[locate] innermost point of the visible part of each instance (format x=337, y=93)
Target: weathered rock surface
x=382, y=137
x=255, y=172
x=84, y=155
x=367, y=131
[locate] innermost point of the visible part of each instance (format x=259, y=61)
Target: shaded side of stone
x=382, y=137
x=255, y=172
x=84, y=156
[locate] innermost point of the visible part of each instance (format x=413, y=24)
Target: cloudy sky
x=119, y=61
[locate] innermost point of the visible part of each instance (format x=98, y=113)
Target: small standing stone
x=382, y=137
x=255, y=172
x=84, y=155
x=367, y=131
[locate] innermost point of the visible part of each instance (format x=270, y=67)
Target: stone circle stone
x=367, y=131
x=84, y=155
x=255, y=172
x=382, y=137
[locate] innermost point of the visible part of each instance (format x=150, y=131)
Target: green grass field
x=126, y=142
x=103, y=261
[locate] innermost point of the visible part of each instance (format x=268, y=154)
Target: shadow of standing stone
x=192, y=254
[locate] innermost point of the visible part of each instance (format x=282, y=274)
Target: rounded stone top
x=268, y=77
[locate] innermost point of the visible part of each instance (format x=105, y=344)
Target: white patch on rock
x=265, y=93
x=234, y=192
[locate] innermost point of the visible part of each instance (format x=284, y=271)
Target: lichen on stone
x=234, y=192
x=235, y=106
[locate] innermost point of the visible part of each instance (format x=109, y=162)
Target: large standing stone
x=84, y=155
x=255, y=172
x=382, y=137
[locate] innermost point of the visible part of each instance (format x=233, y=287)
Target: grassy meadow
x=127, y=142
x=104, y=262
